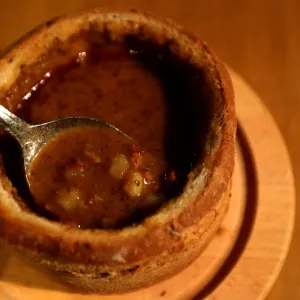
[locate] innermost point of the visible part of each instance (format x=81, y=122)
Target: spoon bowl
x=32, y=138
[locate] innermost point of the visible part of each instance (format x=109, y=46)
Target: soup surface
x=88, y=181
x=96, y=177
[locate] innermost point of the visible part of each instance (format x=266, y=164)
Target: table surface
x=258, y=39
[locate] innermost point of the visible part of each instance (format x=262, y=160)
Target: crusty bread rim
x=157, y=233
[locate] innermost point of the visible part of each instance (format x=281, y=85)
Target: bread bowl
x=165, y=241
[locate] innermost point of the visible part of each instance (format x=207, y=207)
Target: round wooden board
x=243, y=259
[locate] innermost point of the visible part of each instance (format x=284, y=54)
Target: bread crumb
x=119, y=256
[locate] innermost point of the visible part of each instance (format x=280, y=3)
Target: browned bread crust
x=164, y=243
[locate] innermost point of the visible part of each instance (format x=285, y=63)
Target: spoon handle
x=13, y=124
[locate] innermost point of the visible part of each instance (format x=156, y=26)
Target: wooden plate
x=244, y=258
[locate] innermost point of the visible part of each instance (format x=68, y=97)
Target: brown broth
x=96, y=177
x=142, y=89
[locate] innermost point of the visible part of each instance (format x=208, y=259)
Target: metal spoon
x=32, y=137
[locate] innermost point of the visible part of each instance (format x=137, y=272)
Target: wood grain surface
x=258, y=39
